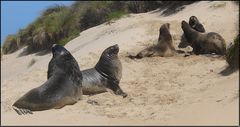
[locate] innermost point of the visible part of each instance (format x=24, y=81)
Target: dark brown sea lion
x=164, y=47
x=63, y=87
x=204, y=43
x=105, y=75
x=196, y=25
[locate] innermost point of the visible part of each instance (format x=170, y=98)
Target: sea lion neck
x=189, y=33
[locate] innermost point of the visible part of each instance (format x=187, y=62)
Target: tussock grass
x=10, y=45
x=59, y=24
x=232, y=55
x=116, y=15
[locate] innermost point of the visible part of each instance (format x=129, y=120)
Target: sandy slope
x=162, y=91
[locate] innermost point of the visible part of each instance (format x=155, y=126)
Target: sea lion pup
x=204, y=43
x=164, y=47
x=107, y=73
x=63, y=87
x=195, y=24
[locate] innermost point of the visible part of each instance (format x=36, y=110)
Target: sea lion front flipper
x=114, y=86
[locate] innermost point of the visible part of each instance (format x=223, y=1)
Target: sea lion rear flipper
x=146, y=52
x=21, y=111
x=131, y=56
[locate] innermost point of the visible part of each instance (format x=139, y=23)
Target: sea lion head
x=58, y=51
x=195, y=24
x=63, y=63
x=184, y=23
x=111, y=51
x=185, y=26
x=164, y=29
x=164, y=33
x=193, y=21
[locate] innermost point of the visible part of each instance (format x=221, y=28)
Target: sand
x=161, y=91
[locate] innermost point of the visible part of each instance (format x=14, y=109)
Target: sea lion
x=196, y=25
x=63, y=87
x=105, y=75
x=204, y=43
x=164, y=47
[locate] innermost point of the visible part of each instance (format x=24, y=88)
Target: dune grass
x=10, y=44
x=59, y=24
x=232, y=55
x=116, y=15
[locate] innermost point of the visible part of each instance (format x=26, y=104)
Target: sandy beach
x=161, y=91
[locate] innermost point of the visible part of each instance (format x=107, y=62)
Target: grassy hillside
x=60, y=24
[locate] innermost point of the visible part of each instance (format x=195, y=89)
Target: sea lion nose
x=116, y=46
x=54, y=45
x=184, y=22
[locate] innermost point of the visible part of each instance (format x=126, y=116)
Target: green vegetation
x=218, y=5
x=232, y=55
x=55, y=25
x=60, y=24
x=116, y=15
x=10, y=44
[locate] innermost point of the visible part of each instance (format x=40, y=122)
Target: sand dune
x=161, y=91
